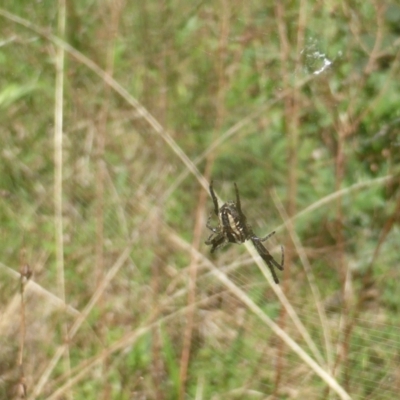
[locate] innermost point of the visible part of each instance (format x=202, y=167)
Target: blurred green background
x=297, y=102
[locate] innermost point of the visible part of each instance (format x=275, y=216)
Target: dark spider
x=233, y=228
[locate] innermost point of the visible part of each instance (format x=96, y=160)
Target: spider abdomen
x=232, y=224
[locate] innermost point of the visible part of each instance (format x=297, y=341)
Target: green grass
x=239, y=78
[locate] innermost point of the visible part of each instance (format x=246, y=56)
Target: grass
x=103, y=198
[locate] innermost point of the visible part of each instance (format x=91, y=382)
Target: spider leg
x=216, y=242
x=266, y=256
x=277, y=265
x=209, y=240
x=237, y=197
x=238, y=204
x=208, y=225
x=265, y=237
x=246, y=228
x=214, y=198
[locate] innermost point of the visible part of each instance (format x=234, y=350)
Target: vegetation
x=115, y=116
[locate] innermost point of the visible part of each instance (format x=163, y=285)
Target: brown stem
x=291, y=104
x=199, y=224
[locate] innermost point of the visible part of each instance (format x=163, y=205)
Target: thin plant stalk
x=311, y=280
x=58, y=170
x=291, y=108
x=25, y=275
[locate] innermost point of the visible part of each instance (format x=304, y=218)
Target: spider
x=233, y=228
